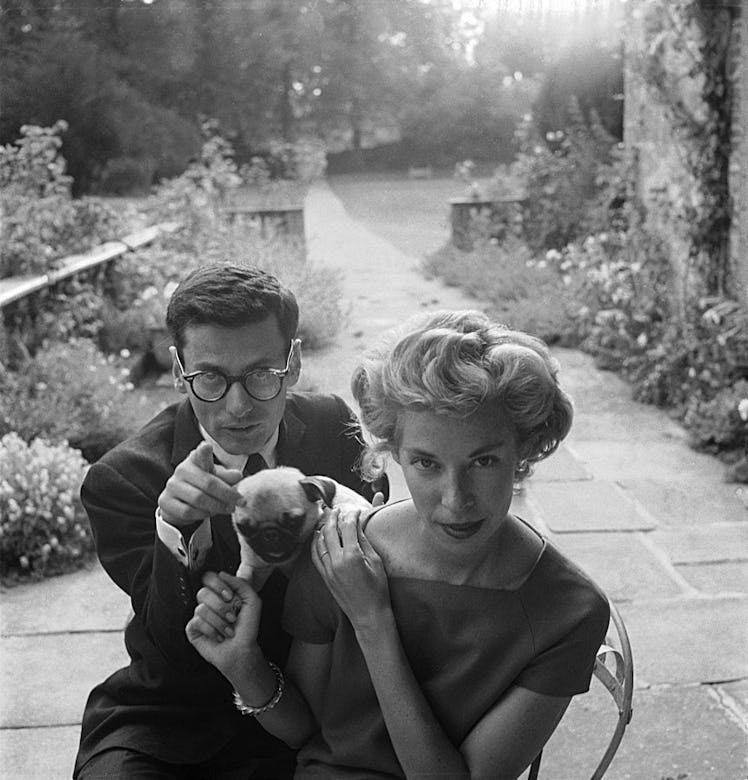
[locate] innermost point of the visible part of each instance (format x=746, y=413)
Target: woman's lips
x=462, y=530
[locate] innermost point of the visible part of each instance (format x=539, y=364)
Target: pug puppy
x=283, y=507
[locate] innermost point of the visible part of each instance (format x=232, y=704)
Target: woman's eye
x=424, y=464
x=485, y=461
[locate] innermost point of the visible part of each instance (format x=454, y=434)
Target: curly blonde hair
x=452, y=362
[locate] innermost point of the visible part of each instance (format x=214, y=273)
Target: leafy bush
x=317, y=287
x=560, y=177
x=620, y=286
x=126, y=176
x=68, y=392
x=522, y=292
x=43, y=527
x=716, y=424
x=42, y=223
x=304, y=160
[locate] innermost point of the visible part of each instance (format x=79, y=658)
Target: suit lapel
x=290, y=451
x=186, y=433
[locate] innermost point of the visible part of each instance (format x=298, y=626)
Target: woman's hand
x=351, y=568
x=225, y=624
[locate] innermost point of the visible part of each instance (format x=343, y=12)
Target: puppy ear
x=317, y=488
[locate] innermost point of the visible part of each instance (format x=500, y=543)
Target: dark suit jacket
x=169, y=702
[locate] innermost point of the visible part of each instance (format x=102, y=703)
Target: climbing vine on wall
x=700, y=364
x=689, y=38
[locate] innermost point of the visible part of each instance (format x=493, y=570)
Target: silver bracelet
x=280, y=686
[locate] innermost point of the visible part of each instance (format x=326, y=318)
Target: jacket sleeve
x=161, y=588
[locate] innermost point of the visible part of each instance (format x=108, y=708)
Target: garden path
x=650, y=519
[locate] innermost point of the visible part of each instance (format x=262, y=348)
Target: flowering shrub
x=465, y=172
x=560, y=177
x=43, y=527
x=523, y=292
x=68, y=392
x=621, y=292
x=717, y=424
x=42, y=223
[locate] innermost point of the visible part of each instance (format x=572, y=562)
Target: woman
x=440, y=636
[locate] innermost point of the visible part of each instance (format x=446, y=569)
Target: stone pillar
x=665, y=105
x=738, y=59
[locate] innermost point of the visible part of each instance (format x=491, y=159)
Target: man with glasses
x=159, y=506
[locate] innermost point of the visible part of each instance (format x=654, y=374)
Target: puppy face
x=278, y=516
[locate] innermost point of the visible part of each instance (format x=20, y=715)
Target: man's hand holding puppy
x=199, y=488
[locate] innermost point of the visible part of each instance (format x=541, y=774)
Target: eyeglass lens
x=261, y=385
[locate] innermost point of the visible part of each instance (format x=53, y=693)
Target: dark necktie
x=255, y=463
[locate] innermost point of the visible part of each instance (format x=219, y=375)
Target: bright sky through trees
x=560, y=7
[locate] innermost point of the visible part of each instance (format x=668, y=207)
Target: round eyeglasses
x=262, y=384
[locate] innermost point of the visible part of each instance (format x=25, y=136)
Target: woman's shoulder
x=389, y=521
x=560, y=587
x=388, y=529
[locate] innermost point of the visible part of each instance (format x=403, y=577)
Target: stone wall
x=662, y=146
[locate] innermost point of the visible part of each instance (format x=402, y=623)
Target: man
x=159, y=506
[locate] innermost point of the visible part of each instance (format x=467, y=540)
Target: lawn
x=413, y=214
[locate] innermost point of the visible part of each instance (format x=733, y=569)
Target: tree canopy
x=134, y=79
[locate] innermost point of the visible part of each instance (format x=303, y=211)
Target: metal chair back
x=614, y=668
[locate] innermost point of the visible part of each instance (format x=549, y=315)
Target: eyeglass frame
x=281, y=373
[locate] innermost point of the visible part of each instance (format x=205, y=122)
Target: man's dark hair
x=230, y=296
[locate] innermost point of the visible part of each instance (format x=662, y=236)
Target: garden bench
x=425, y=172
x=288, y=220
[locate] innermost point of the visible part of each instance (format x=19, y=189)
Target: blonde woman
x=440, y=636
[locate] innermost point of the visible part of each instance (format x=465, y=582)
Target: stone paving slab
x=672, y=732
x=640, y=424
x=54, y=693
x=734, y=695
x=704, y=544
x=666, y=462
x=39, y=754
x=604, y=392
x=523, y=506
x=716, y=578
x=592, y=505
x=688, y=640
x=85, y=600
x=620, y=563
x=560, y=466
x=677, y=504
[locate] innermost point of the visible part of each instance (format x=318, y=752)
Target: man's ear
x=179, y=384
x=294, y=366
